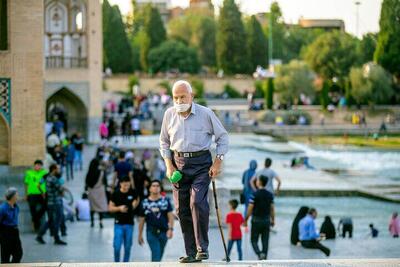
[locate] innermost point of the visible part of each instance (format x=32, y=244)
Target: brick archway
x=70, y=109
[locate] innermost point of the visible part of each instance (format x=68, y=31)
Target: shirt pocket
x=200, y=136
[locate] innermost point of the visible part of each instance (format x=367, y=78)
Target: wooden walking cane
x=219, y=222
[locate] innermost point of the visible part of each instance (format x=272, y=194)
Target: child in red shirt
x=234, y=220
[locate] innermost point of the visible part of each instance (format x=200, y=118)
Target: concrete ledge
x=272, y=263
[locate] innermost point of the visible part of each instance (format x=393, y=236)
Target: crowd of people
x=125, y=185
x=125, y=118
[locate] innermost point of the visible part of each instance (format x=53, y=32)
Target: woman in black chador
x=294, y=236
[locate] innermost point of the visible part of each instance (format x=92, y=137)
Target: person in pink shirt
x=103, y=129
x=394, y=225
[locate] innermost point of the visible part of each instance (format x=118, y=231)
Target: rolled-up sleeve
x=221, y=135
x=164, y=138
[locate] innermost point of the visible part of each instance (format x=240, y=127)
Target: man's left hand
x=215, y=169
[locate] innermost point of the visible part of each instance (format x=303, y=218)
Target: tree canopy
x=387, y=52
x=116, y=47
x=371, y=84
x=332, y=54
x=173, y=55
x=294, y=79
x=198, y=31
x=256, y=44
x=231, y=40
x=148, y=32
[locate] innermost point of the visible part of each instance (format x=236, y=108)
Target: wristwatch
x=170, y=228
x=220, y=157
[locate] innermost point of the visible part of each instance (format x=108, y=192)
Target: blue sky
x=369, y=10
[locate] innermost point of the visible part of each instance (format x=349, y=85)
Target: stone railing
x=57, y=62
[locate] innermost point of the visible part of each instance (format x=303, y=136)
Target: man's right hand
x=170, y=170
x=123, y=209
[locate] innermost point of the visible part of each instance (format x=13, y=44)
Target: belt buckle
x=186, y=155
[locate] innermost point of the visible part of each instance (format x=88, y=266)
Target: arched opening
x=69, y=109
x=4, y=141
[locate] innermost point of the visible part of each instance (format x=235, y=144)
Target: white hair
x=182, y=82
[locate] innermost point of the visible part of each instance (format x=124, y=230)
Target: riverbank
x=391, y=142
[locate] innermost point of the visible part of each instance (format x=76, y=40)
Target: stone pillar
x=94, y=50
x=23, y=65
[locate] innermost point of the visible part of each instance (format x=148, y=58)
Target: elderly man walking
x=185, y=140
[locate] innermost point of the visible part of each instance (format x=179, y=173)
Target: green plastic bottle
x=175, y=177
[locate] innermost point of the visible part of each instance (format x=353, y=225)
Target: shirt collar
x=193, y=108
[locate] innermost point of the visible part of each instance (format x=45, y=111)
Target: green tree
x=366, y=47
x=197, y=31
x=259, y=89
x=371, y=85
x=269, y=93
x=278, y=31
x=116, y=47
x=324, y=94
x=149, y=30
x=231, y=91
x=296, y=40
x=135, y=48
x=182, y=28
x=144, y=48
x=206, y=47
x=198, y=86
x=332, y=54
x=231, y=40
x=256, y=44
x=154, y=26
x=294, y=79
x=173, y=55
x=387, y=52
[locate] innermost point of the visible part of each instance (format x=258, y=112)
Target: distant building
x=176, y=12
x=326, y=24
x=162, y=6
x=203, y=6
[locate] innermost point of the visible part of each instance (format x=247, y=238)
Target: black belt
x=192, y=154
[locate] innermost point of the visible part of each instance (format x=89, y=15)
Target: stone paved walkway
x=87, y=244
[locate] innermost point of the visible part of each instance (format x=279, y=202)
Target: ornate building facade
x=50, y=65
x=73, y=64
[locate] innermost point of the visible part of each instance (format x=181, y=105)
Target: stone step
x=272, y=263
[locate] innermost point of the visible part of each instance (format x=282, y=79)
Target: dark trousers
x=54, y=213
x=11, y=249
x=37, y=208
x=92, y=216
x=347, y=228
x=260, y=227
x=191, y=201
x=238, y=245
x=315, y=244
x=70, y=170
